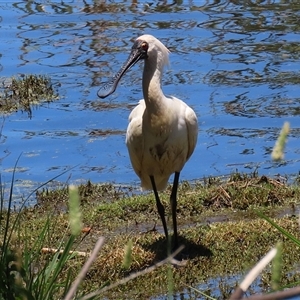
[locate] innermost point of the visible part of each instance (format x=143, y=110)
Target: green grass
x=25, y=272
x=219, y=226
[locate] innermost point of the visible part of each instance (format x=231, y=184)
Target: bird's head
x=145, y=47
x=148, y=47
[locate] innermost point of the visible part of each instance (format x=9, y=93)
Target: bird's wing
x=138, y=111
x=192, y=129
x=134, y=137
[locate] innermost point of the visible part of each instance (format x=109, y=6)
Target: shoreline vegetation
x=220, y=225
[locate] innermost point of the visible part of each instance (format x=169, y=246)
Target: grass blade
x=280, y=229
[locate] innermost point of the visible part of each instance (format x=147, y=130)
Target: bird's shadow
x=191, y=250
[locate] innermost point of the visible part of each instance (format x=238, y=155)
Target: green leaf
x=279, y=228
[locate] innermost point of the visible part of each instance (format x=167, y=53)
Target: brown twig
x=85, y=269
x=238, y=293
x=54, y=250
x=170, y=258
x=252, y=275
x=277, y=295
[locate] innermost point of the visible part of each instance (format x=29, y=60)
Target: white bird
x=162, y=131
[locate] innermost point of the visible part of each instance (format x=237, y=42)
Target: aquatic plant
x=22, y=93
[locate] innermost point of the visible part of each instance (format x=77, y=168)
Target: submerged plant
x=21, y=93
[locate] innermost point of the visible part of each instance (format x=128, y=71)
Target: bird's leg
x=160, y=207
x=173, y=200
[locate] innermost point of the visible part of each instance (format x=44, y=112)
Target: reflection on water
x=235, y=62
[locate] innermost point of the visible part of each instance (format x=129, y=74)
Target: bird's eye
x=144, y=46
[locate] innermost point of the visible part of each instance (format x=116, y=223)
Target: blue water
x=211, y=288
x=235, y=62
x=236, y=65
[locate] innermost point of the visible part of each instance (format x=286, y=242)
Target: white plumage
x=162, y=131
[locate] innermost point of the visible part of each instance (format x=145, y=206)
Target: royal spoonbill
x=162, y=131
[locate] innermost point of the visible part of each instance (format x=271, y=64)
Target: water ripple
x=236, y=63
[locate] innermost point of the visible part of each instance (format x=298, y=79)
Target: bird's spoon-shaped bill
x=107, y=88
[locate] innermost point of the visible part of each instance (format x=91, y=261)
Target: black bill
x=137, y=53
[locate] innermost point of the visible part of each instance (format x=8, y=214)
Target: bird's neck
x=152, y=91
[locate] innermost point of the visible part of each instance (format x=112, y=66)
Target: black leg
x=173, y=200
x=160, y=207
